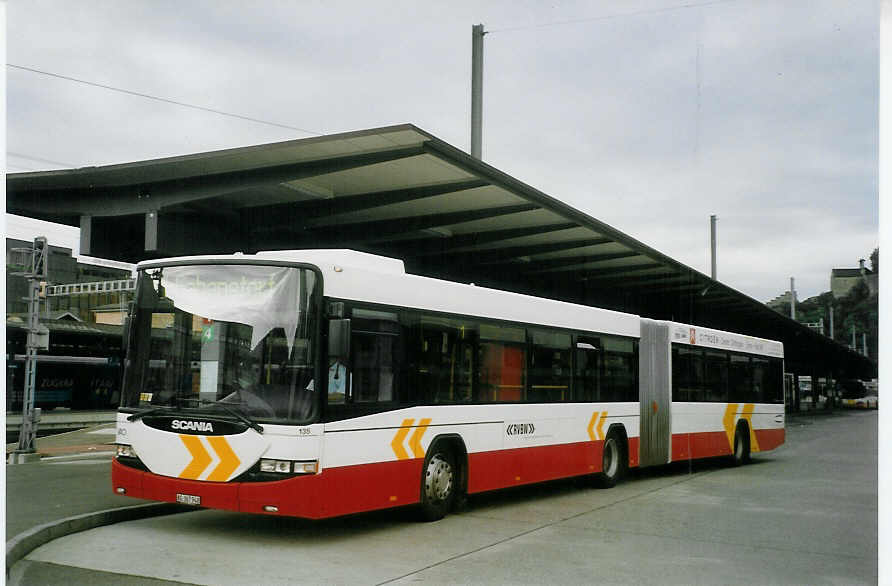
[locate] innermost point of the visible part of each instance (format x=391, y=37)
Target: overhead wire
x=160, y=99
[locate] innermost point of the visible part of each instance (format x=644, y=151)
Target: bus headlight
x=280, y=466
x=288, y=466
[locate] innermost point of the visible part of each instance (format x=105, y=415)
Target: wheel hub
x=438, y=479
x=611, y=458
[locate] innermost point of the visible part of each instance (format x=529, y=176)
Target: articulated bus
x=330, y=382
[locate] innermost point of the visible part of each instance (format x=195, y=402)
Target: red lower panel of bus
x=337, y=491
x=494, y=470
x=770, y=438
x=686, y=446
x=367, y=487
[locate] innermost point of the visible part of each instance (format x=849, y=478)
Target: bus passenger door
x=655, y=394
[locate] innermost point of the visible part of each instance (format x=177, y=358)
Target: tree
x=875, y=260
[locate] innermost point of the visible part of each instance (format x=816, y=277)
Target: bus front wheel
x=438, y=484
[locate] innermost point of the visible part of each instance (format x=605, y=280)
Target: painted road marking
x=396, y=444
x=201, y=458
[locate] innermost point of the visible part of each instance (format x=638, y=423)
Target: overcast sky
x=645, y=114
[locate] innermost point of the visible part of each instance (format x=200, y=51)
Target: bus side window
x=502, y=364
x=587, y=382
x=761, y=373
x=442, y=354
x=740, y=379
x=774, y=382
x=549, y=367
x=374, y=359
x=716, y=376
x=501, y=374
x=620, y=369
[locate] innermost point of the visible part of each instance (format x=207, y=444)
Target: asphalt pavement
x=73, y=477
x=72, y=480
x=67, y=490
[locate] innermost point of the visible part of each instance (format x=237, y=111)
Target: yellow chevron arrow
x=596, y=425
x=591, y=426
x=748, y=415
x=601, y=425
x=415, y=440
x=228, y=460
x=728, y=423
x=397, y=443
x=200, y=457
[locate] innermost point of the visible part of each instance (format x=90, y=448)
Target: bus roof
x=358, y=276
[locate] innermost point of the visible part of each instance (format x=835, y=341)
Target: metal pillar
x=477, y=33
x=712, y=243
x=831, y=322
x=864, y=342
x=37, y=338
x=792, y=299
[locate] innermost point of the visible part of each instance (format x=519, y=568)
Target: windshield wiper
x=149, y=411
x=238, y=415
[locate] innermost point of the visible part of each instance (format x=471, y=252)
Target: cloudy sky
x=649, y=115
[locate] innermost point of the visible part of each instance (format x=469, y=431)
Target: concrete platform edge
x=24, y=543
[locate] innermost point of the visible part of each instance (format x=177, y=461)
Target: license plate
x=188, y=499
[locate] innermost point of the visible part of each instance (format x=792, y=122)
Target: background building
x=84, y=314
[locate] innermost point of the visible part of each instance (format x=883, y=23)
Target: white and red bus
x=329, y=382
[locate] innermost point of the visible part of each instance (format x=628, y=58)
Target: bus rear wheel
x=439, y=480
x=741, y=453
x=612, y=462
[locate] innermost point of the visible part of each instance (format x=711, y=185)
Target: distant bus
x=330, y=382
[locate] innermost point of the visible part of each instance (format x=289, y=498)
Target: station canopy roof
x=401, y=192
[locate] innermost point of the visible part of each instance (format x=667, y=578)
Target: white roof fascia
x=691, y=335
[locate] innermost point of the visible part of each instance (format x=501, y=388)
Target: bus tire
x=741, y=453
x=439, y=482
x=612, y=461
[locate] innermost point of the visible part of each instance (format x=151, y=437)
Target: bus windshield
x=224, y=338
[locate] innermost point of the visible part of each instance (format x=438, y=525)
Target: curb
x=27, y=541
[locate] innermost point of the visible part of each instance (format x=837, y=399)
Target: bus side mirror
x=339, y=340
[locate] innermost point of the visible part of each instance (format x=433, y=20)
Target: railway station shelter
x=401, y=192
